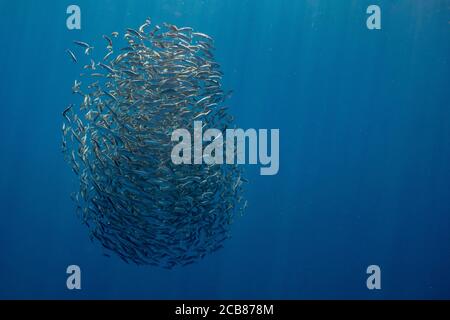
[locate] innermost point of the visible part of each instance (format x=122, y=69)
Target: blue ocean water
x=364, y=119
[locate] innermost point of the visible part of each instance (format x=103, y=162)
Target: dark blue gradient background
x=364, y=119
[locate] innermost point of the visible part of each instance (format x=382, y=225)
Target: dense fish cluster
x=117, y=139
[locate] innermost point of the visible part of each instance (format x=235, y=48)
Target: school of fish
x=117, y=140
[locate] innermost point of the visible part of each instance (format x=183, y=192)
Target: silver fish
x=117, y=139
x=87, y=47
x=72, y=56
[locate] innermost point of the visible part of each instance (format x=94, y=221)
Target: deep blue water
x=364, y=119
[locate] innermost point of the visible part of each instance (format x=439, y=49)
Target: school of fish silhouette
x=134, y=200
